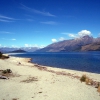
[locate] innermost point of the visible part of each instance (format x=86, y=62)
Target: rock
x=3, y=77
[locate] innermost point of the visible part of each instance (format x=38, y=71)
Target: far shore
x=29, y=81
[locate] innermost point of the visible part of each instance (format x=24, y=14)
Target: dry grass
x=83, y=78
x=8, y=74
x=89, y=81
x=14, y=99
x=98, y=90
x=30, y=79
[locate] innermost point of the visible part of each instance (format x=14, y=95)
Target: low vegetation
x=0, y=54
x=14, y=99
x=7, y=71
x=99, y=89
x=30, y=79
x=5, y=74
x=83, y=78
x=89, y=81
x=3, y=56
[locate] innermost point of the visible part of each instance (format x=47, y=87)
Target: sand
x=35, y=82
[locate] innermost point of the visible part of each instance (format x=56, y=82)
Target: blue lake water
x=82, y=61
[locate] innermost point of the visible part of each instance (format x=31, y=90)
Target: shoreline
x=88, y=68
x=27, y=61
x=32, y=81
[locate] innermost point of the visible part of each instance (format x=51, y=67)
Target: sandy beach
x=29, y=81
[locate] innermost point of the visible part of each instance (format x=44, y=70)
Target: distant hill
x=9, y=49
x=91, y=47
x=79, y=44
x=85, y=43
x=18, y=51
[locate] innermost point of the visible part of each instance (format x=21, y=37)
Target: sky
x=38, y=23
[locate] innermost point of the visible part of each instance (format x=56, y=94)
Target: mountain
x=9, y=49
x=29, y=49
x=18, y=51
x=77, y=44
x=85, y=43
x=91, y=47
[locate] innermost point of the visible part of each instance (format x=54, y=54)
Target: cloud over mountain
x=80, y=34
x=54, y=40
x=79, y=44
x=84, y=32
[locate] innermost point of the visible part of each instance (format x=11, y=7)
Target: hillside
x=10, y=49
x=80, y=44
x=91, y=47
x=18, y=51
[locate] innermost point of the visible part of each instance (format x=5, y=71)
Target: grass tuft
x=83, y=78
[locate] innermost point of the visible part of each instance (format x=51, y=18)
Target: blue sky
x=42, y=22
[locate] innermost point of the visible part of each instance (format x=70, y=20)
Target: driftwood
x=3, y=77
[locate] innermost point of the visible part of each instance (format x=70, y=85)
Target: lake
x=82, y=61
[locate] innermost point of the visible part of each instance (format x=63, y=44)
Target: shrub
x=14, y=99
x=9, y=71
x=0, y=54
x=87, y=81
x=6, y=71
x=83, y=78
x=98, y=89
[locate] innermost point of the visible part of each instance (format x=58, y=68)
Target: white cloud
x=14, y=46
x=9, y=39
x=6, y=19
x=4, y=46
x=3, y=20
x=42, y=46
x=84, y=32
x=54, y=40
x=99, y=34
x=4, y=32
x=38, y=46
x=13, y=39
x=72, y=35
x=80, y=34
x=0, y=45
x=34, y=45
x=37, y=11
x=61, y=38
x=27, y=45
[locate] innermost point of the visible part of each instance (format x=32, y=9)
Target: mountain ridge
x=85, y=43
x=10, y=49
x=77, y=44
